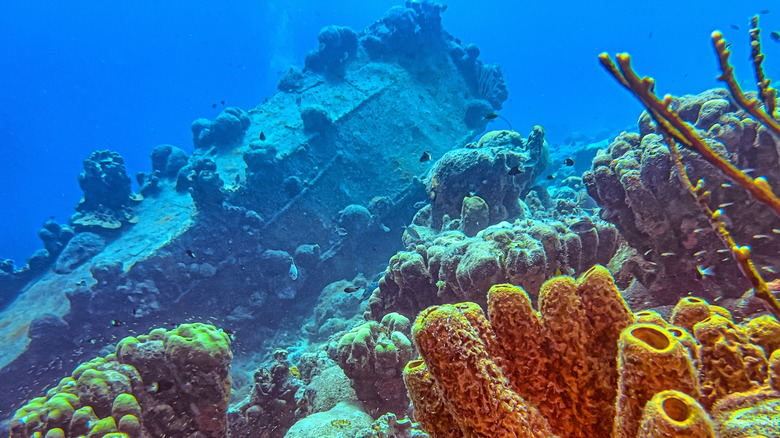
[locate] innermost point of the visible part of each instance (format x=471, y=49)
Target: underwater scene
x=390, y=219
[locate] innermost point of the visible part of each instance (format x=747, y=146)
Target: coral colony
x=256, y=288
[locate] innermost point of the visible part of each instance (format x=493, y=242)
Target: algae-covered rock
x=345, y=419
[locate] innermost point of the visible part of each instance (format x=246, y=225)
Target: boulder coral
x=584, y=365
x=108, y=200
x=165, y=383
x=451, y=267
x=634, y=183
x=373, y=356
x=484, y=169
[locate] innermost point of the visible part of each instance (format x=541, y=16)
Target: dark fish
x=51, y=217
x=764, y=11
x=222, y=102
x=213, y=105
x=735, y=27
x=350, y=289
x=650, y=35
x=550, y=176
x=164, y=385
x=426, y=156
x=262, y=136
x=569, y=162
x=582, y=226
x=775, y=35
x=190, y=253
x=490, y=116
x=515, y=170
x=117, y=323
x=413, y=233
x=136, y=312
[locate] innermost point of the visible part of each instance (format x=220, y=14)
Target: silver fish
x=293, y=270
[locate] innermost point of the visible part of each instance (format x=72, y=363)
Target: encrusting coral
x=166, y=383
x=581, y=361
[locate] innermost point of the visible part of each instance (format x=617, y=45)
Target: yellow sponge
x=650, y=360
x=675, y=414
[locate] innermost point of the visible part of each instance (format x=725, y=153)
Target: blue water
x=80, y=76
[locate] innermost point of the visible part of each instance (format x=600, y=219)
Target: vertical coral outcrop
x=162, y=384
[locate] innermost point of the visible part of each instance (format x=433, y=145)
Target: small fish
x=231, y=334
x=726, y=185
x=725, y=260
x=190, y=253
x=667, y=254
x=704, y=272
x=92, y=341
x=136, y=312
x=262, y=136
x=650, y=35
x=761, y=236
x=735, y=27
x=384, y=228
x=699, y=253
x=726, y=204
x=582, y=226
x=420, y=204
x=558, y=273
x=222, y=102
x=776, y=231
x=350, y=289
x=490, y=116
x=213, y=105
x=293, y=270
x=551, y=177
x=426, y=156
x=764, y=11
x=724, y=251
x=412, y=233
x=748, y=170
x=341, y=231
x=717, y=299
x=648, y=252
x=699, y=230
x=515, y=171
x=569, y=162
x=117, y=323
x=51, y=217
x=775, y=35
x=769, y=269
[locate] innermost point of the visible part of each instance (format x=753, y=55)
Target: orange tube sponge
x=651, y=317
x=519, y=330
x=763, y=331
x=474, y=388
x=429, y=409
x=730, y=363
x=562, y=358
x=675, y=414
x=691, y=310
x=650, y=360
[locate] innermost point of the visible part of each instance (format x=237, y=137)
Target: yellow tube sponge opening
x=675, y=414
x=650, y=360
